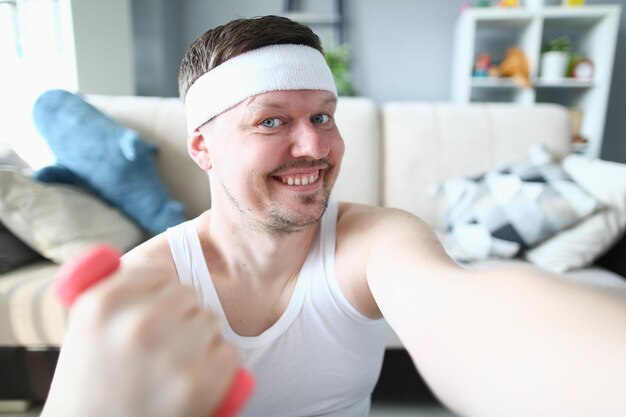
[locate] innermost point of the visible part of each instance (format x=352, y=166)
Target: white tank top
x=321, y=358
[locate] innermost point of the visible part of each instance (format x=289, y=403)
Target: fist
x=140, y=344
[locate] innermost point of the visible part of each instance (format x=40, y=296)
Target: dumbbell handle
x=101, y=261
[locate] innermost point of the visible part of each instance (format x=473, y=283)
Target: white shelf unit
x=593, y=31
x=326, y=18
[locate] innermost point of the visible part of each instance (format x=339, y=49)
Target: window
x=35, y=56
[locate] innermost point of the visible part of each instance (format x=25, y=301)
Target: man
x=301, y=283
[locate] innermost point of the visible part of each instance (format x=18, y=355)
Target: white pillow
x=58, y=221
x=582, y=244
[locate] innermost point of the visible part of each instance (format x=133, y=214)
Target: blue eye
x=320, y=118
x=271, y=122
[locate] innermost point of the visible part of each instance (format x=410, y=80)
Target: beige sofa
x=393, y=153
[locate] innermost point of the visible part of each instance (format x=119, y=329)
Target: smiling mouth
x=299, y=179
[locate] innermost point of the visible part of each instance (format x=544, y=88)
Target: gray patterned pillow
x=514, y=207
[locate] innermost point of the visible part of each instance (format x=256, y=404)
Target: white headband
x=270, y=68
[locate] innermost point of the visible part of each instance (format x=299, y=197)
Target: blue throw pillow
x=58, y=174
x=111, y=159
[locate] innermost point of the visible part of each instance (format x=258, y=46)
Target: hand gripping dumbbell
x=101, y=261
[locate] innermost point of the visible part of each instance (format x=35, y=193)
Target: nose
x=309, y=141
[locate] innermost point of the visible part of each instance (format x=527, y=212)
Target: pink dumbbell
x=101, y=261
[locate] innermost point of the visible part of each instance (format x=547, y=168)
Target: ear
x=198, y=150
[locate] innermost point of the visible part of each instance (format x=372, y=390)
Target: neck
x=240, y=250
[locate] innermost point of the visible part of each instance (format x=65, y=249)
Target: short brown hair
x=220, y=44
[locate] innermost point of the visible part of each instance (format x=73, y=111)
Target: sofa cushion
x=358, y=122
x=524, y=203
x=586, y=241
x=30, y=313
x=113, y=160
x=59, y=221
x=592, y=276
x=429, y=143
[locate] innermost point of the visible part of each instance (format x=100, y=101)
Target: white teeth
x=300, y=180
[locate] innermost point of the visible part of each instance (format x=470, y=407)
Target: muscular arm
x=514, y=342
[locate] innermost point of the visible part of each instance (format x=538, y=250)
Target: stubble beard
x=280, y=221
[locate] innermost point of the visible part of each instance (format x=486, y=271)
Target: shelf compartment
x=500, y=17
x=593, y=32
x=492, y=82
x=566, y=83
x=575, y=17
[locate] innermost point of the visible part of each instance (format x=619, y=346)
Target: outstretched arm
x=506, y=342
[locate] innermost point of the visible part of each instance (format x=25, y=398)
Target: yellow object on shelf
x=508, y=3
x=573, y=3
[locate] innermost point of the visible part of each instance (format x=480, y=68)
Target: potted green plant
x=554, y=59
x=338, y=59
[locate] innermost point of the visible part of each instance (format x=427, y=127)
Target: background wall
x=101, y=36
x=401, y=49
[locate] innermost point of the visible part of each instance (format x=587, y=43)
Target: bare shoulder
x=363, y=221
x=388, y=234
x=152, y=256
x=369, y=239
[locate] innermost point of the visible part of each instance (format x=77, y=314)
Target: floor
x=33, y=412
x=379, y=409
x=400, y=392
x=391, y=409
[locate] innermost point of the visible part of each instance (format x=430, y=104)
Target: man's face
x=276, y=156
